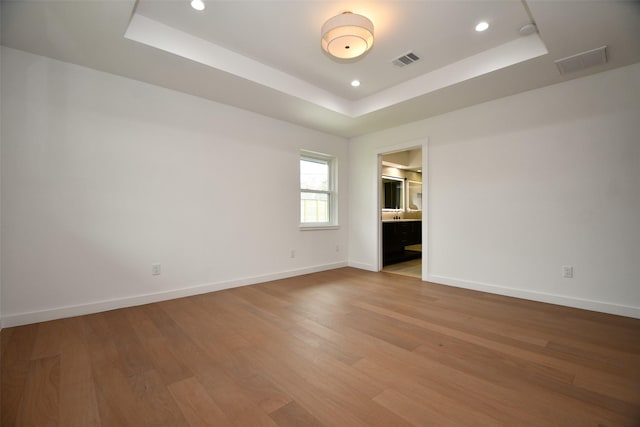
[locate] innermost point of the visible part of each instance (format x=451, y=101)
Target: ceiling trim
x=503, y=56
x=161, y=36
x=156, y=34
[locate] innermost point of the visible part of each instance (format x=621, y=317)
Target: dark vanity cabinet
x=396, y=236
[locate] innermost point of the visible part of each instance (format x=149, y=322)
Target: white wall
x=519, y=187
x=0, y=185
x=103, y=176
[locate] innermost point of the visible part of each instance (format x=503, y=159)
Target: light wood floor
x=411, y=268
x=340, y=348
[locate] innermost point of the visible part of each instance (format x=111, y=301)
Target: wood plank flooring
x=338, y=348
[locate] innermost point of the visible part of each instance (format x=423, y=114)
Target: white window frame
x=332, y=193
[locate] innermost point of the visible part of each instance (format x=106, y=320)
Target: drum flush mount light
x=347, y=36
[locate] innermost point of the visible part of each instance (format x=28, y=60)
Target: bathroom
x=401, y=212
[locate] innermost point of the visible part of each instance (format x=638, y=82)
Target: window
x=317, y=190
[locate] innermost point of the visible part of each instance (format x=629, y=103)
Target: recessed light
x=482, y=26
x=197, y=4
x=355, y=83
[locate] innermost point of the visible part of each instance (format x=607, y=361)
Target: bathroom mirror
x=414, y=196
x=392, y=193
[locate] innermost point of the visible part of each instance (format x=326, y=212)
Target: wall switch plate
x=155, y=269
x=567, y=271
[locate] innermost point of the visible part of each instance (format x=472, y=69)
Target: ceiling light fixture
x=347, y=36
x=355, y=83
x=482, y=26
x=197, y=5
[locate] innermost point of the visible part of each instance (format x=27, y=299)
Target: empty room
x=320, y=213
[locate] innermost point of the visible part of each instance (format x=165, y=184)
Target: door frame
x=409, y=145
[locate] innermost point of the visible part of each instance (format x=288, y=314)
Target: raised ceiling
x=265, y=56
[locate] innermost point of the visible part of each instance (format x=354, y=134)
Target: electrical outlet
x=293, y=253
x=567, y=271
x=155, y=269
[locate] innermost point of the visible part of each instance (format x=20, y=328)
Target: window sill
x=312, y=227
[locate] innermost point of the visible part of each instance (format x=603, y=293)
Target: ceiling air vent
x=582, y=60
x=407, y=59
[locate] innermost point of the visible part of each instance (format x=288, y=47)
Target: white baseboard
x=604, y=307
x=363, y=266
x=98, y=306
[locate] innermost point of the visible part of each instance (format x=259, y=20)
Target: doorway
x=401, y=205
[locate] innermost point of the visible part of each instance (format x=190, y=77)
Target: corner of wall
x=1, y=123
